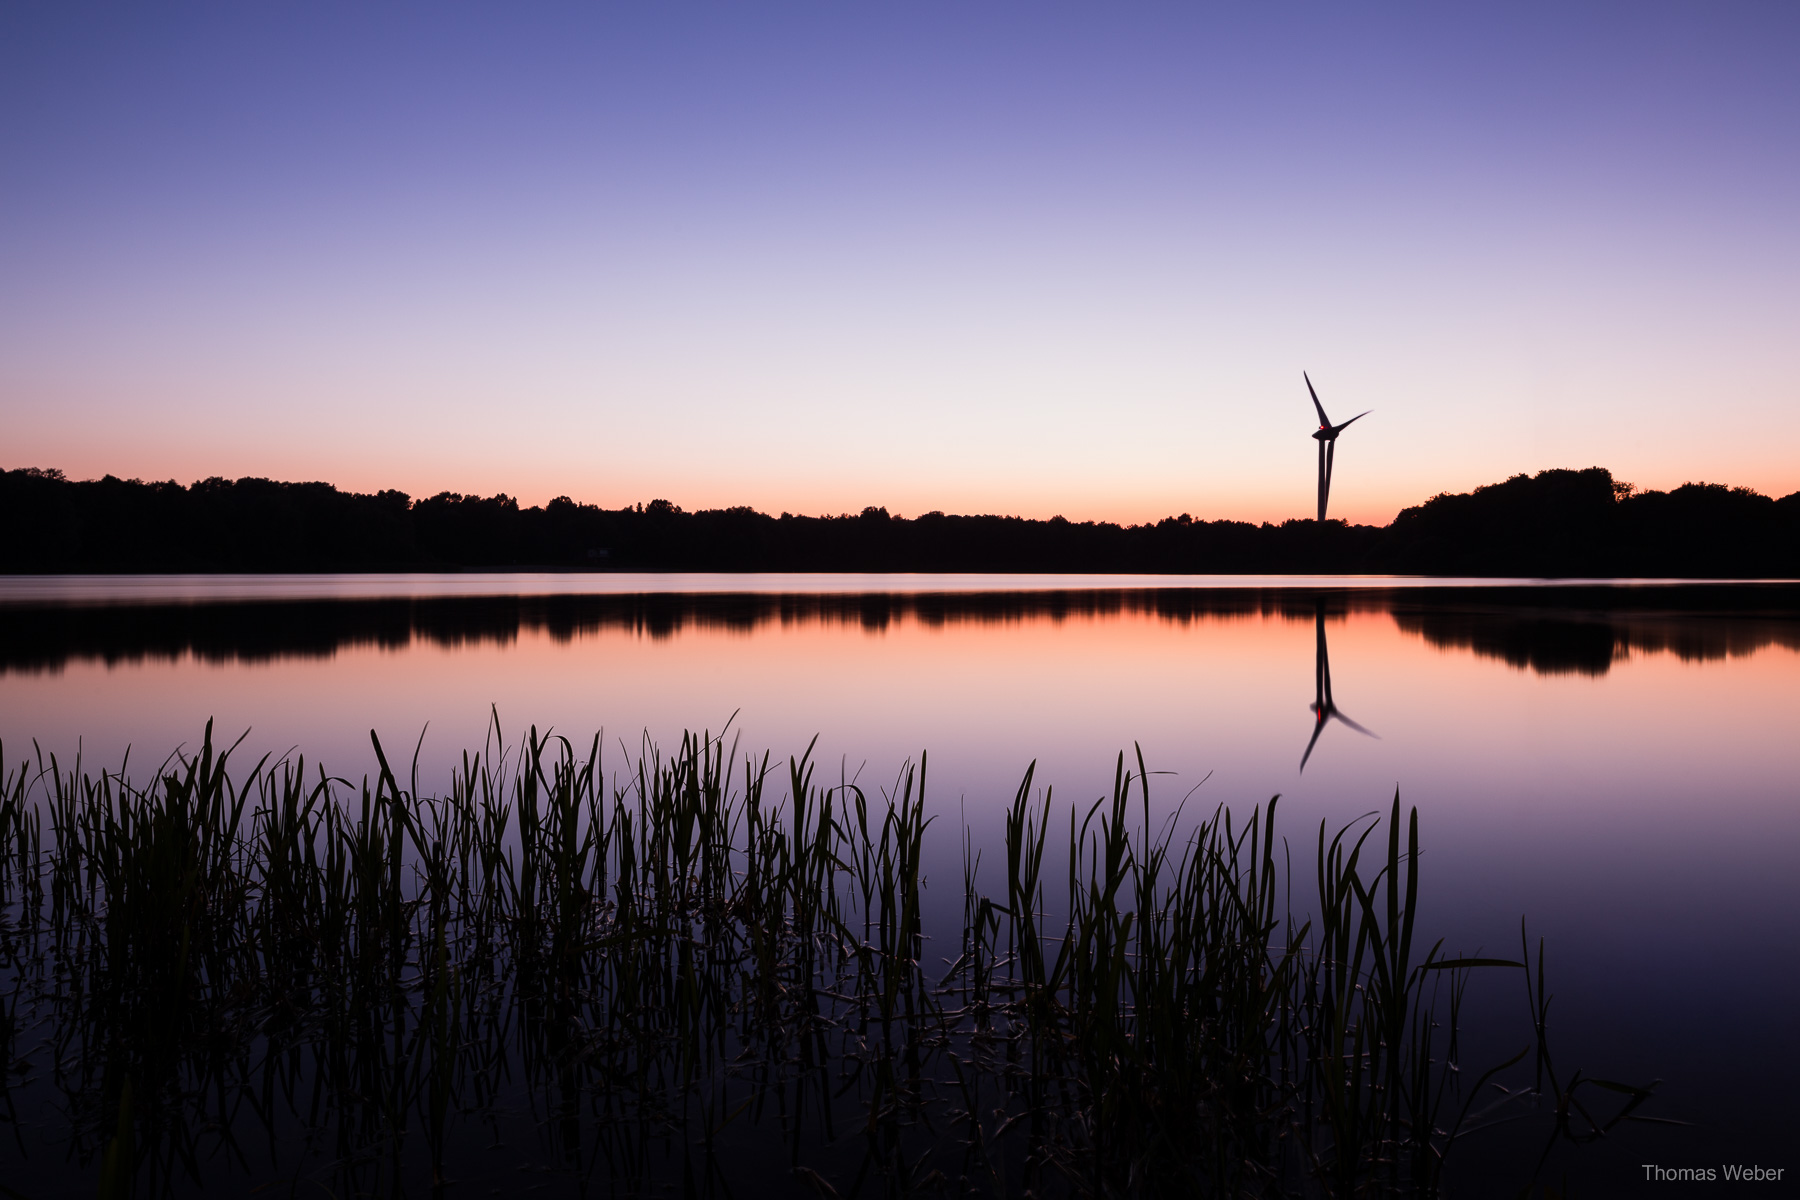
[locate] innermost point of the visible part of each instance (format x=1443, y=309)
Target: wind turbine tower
x=1324, y=708
x=1327, y=439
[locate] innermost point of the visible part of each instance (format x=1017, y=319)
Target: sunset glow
x=999, y=599
x=809, y=258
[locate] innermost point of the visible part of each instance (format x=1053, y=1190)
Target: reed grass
x=677, y=971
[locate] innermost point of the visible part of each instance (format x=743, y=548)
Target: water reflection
x=1551, y=631
x=1578, y=642
x=1324, y=708
x=1599, y=760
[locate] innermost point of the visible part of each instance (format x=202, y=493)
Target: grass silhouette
x=283, y=976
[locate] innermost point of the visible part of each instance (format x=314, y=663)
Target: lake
x=1616, y=764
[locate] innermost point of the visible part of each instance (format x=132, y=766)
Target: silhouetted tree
x=1557, y=522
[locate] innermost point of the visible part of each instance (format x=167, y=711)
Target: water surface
x=1615, y=764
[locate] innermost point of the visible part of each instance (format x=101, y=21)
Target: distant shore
x=1558, y=523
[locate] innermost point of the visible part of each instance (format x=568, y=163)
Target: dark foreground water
x=1618, y=765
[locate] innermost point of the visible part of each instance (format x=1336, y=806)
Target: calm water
x=1617, y=765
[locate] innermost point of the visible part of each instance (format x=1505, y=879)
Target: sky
x=976, y=257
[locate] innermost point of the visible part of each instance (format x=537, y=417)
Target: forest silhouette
x=1557, y=523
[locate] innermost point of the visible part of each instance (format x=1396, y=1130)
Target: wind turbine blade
x=1324, y=481
x=1317, y=730
x=1325, y=487
x=1352, y=724
x=1324, y=421
x=1353, y=420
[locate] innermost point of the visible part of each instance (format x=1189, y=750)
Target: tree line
x=1554, y=523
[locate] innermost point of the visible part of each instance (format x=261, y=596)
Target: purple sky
x=975, y=257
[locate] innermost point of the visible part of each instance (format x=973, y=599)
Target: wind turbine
x=1324, y=708
x=1327, y=439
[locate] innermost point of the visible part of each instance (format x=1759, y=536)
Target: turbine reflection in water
x=1324, y=708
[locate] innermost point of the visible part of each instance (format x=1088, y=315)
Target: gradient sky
x=973, y=257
